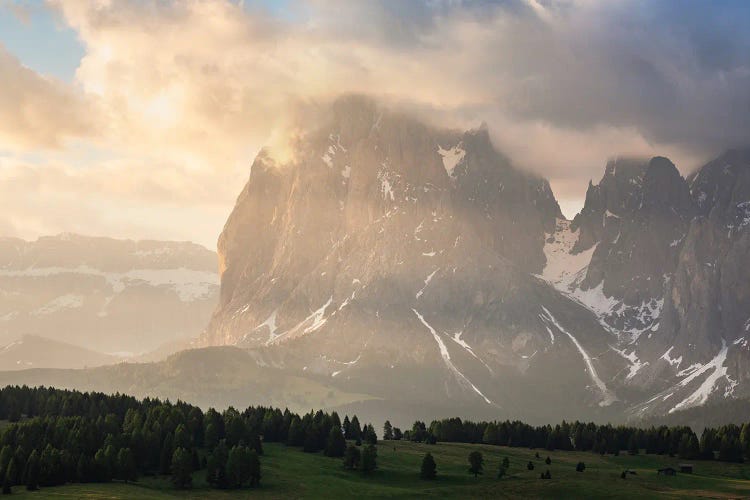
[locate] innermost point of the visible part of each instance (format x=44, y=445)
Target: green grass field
x=290, y=473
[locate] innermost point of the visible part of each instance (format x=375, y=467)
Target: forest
x=51, y=437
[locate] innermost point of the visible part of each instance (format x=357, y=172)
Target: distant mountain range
x=411, y=271
x=31, y=351
x=113, y=296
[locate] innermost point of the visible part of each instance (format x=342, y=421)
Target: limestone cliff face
x=417, y=265
x=708, y=301
x=398, y=260
x=635, y=219
x=351, y=177
x=668, y=273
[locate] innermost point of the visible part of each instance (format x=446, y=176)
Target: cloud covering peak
x=177, y=97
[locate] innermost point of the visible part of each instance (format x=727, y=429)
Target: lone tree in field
x=580, y=467
x=429, y=468
x=476, y=463
x=530, y=465
x=387, y=430
x=548, y=461
x=501, y=471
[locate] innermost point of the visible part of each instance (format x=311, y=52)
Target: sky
x=140, y=119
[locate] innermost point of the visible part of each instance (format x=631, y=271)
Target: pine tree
x=126, y=469
x=31, y=473
x=296, y=434
x=369, y=435
x=167, y=452
x=182, y=468
x=9, y=476
x=429, y=468
x=476, y=463
x=182, y=438
x=369, y=459
x=745, y=439
x=6, y=454
x=530, y=465
x=387, y=431
x=355, y=430
x=336, y=444
x=633, y=445
x=347, y=428
x=238, y=466
x=352, y=457
x=397, y=434
x=216, y=466
x=501, y=471
x=548, y=460
x=254, y=468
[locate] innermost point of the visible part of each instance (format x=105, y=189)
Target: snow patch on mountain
x=270, y=322
x=188, y=284
x=310, y=324
x=607, y=395
x=635, y=363
x=672, y=361
x=67, y=301
x=447, y=357
x=451, y=157
x=562, y=266
x=701, y=394
x=426, y=282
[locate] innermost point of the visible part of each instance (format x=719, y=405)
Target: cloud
x=177, y=97
x=37, y=112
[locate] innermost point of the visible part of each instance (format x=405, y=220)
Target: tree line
x=730, y=443
x=59, y=436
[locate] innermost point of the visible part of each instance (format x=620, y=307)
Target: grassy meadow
x=290, y=473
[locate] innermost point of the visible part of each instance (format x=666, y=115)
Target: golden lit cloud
x=173, y=99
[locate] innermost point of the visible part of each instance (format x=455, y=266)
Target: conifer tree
x=9, y=476
x=387, y=431
x=336, y=444
x=429, y=468
x=476, y=463
x=369, y=459
x=126, y=469
x=182, y=468
x=352, y=457
x=31, y=472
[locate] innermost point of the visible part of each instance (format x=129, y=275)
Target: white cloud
x=173, y=99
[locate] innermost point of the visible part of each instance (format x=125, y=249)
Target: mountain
x=398, y=270
x=116, y=296
x=668, y=272
x=32, y=351
x=211, y=377
x=400, y=260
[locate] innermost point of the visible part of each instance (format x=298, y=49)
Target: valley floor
x=290, y=473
